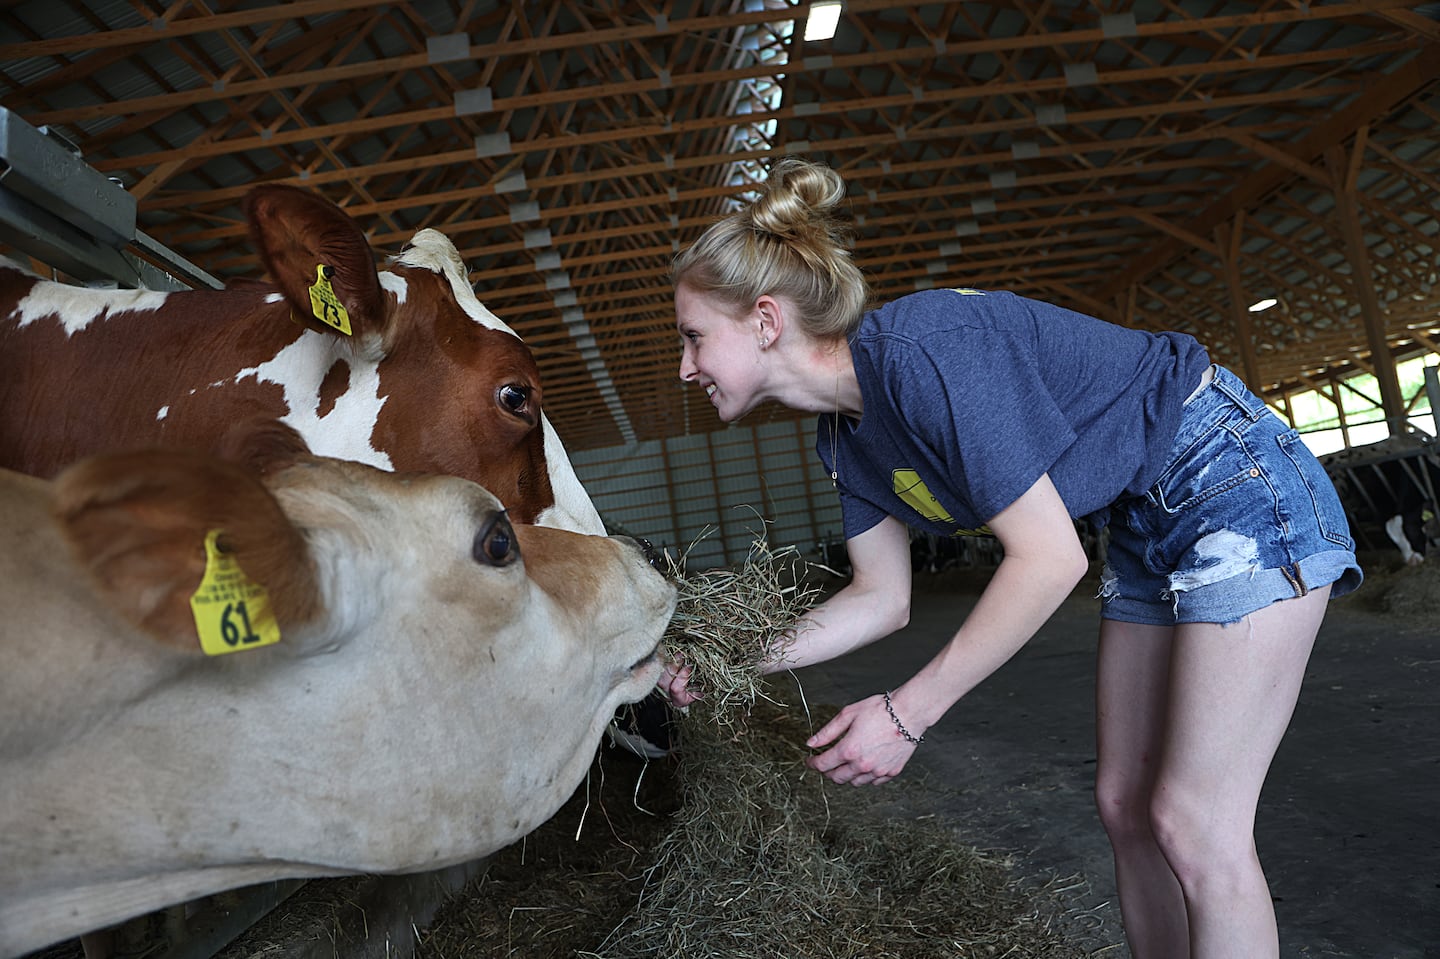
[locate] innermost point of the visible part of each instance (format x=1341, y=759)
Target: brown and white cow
x=438, y=689
x=425, y=379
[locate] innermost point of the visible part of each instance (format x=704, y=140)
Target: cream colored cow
x=438, y=689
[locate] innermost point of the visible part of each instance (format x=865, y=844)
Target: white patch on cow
x=345, y=431
x=163, y=412
x=395, y=283
x=77, y=307
x=1395, y=529
x=573, y=509
x=432, y=250
x=274, y=297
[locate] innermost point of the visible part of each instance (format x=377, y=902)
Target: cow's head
x=460, y=392
x=441, y=680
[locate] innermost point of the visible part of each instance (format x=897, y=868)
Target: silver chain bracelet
x=898, y=724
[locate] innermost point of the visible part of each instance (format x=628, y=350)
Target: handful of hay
x=729, y=622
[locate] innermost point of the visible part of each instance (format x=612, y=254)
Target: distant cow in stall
x=436, y=687
x=1391, y=486
x=401, y=368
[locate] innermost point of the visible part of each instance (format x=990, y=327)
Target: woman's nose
x=687, y=366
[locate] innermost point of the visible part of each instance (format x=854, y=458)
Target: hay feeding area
x=732, y=847
x=1392, y=588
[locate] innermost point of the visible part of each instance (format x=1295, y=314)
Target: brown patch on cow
x=565, y=565
x=104, y=387
x=333, y=386
x=461, y=380
x=137, y=522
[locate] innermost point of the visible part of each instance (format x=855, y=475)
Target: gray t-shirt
x=970, y=396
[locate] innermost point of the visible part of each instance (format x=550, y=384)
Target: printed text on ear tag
x=325, y=304
x=231, y=611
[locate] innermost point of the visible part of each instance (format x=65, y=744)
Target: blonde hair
x=790, y=242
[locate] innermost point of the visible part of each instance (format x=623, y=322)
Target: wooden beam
x=1380, y=98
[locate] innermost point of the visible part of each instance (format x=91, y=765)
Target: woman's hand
x=675, y=683
x=870, y=750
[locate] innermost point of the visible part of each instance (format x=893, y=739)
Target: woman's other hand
x=866, y=748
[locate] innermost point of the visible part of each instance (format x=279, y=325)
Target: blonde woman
x=957, y=411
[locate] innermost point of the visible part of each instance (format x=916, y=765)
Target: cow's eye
x=514, y=398
x=495, y=544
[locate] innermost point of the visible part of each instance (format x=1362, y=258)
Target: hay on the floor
x=737, y=849
x=765, y=858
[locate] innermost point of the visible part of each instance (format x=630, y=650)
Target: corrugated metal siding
x=708, y=494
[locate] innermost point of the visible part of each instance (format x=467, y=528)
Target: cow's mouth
x=646, y=660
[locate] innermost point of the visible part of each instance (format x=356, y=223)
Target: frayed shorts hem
x=1230, y=600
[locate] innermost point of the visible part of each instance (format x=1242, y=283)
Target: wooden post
x=1339, y=402
x=719, y=507
x=1342, y=176
x=680, y=543
x=1228, y=240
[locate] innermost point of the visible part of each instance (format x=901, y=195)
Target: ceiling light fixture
x=1260, y=306
x=824, y=17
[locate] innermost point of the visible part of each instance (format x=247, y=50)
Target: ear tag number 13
x=232, y=612
x=325, y=304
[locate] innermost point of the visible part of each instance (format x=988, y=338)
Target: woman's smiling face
x=720, y=353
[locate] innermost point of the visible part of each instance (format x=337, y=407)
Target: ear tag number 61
x=232, y=612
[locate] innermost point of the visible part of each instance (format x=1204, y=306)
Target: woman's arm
x=1043, y=562
x=874, y=604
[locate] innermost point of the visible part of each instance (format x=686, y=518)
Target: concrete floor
x=1348, y=827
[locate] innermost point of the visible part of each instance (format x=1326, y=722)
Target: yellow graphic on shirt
x=966, y=291
x=912, y=489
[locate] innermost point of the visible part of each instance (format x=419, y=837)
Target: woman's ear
x=770, y=318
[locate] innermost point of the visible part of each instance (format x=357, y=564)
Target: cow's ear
x=319, y=258
x=262, y=445
x=138, y=523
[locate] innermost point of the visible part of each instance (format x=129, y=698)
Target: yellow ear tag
x=231, y=611
x=325, y=304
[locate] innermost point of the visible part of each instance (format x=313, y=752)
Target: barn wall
x=709, y=493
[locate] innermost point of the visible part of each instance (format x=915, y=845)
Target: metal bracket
x=57, y=208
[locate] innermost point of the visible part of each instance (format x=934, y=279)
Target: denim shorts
x=1242, y=516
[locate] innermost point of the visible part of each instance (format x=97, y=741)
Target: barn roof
x=1158, y=164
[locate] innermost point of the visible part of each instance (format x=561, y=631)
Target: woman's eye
x=495, y=544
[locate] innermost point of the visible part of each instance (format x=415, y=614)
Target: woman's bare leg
x=1132, y=694
x=1232, y=692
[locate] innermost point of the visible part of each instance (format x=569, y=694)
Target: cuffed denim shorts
x=1243, y=516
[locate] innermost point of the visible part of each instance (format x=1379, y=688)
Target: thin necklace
x=834, y=440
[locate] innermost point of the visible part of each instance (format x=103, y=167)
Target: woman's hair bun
x=800, y=202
